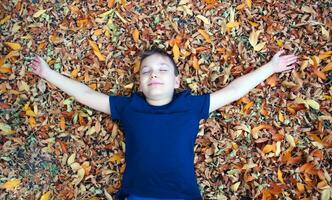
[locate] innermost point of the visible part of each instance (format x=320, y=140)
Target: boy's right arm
x=79, y=91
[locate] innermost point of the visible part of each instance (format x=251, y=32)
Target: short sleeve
x=117, y=105
x=200, y=104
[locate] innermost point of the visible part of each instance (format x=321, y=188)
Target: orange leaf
x=268, y=148
x=176, y=53
x=98, y=32
x=74, y=73
x=110, y=3
x=32, y=122
x=300, y=187
x=266, y=195
x=62, y=123
x=317, y=153
x=278, y=137
x=195, y=63
x=272, y=81
x=275, y=189
x=262, y=126
x=93, y=86
x=247, y=107
x=205, y=35
x=137, y=65
x=286, y=156
x=63, y=146
x=210, y=1
x=320, y=74
x=5, y=70
x=135, y=34
x=263, y=110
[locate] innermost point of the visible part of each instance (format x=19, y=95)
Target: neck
x=159, y=102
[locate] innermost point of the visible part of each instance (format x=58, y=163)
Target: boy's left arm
x=242, y=85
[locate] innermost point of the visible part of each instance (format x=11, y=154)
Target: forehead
x=156, y=59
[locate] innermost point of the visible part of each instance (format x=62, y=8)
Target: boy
x=160, y=126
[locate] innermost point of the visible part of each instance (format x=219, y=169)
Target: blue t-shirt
x=160, y=144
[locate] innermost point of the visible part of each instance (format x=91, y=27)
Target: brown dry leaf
x=135, y=34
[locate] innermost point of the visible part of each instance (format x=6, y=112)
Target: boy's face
x=157, y=78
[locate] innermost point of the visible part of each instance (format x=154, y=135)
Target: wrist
x=46, y=73
x=270, y=68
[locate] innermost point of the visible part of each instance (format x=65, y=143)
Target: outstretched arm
x=79, y=91
x=242, y=85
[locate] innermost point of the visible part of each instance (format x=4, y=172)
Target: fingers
x=279, y=52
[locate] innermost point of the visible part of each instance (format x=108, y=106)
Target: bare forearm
x=71, y=87
x=246, y=83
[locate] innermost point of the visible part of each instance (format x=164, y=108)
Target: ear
x=177, y=81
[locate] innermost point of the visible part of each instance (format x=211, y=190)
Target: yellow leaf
x=313, y=104
x=135, y=35
x=326, y=193
x=253, y=38
x=39, y=13
x=13, y=45
x=96, y=51
x=232, y=24
x=30, y=113
x=235, y=186
x=280, y=43
x=290, y=140
x=195, y=63
x=325, y=33
x=327, y=68
x=281, y=116
x=280, y=176
x=248, y=2
x=4, y=20
x=260, y=46
x=176, y=53
x=204, y=19
x=325, y=55
x=71, y=159
x=253, y=24
x=100, y=56
x=10, y=184
x=93, y=45
x=6, y=129
x=116, y=157
x=205, y=35
x=45, y=196
x=241, y=6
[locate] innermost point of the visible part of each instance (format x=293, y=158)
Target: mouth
x=154, y=84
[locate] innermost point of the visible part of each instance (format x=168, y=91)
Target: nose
x=153, y=75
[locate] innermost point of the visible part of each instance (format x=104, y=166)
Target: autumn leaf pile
x=274, y=143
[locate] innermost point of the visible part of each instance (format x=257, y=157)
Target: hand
x=39, y=66
x=283, y=63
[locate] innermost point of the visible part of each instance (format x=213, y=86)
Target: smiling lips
x=154, y=83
